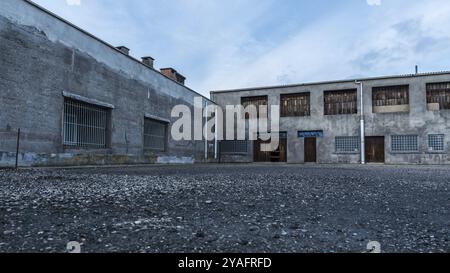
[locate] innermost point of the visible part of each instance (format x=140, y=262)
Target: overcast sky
x=246, y=43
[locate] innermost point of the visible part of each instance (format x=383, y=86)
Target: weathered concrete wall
x=41, y=57
x=418, y=121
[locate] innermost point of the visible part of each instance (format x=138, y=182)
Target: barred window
x=256, y=101
x=347, y=144
x=439, y=93
x=342, y=102
x=85, y=125
x=405, y=143
x=295, y=105
x=436, y=143
x=155, y=135
x=390, y=95
x=234, y=147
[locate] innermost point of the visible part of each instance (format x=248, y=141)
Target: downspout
x=216, y=134
x=363, y=131
x=205, y=128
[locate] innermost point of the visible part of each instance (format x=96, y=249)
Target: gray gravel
x=226, y=208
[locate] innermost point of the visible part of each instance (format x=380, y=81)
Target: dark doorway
x=374, y=149
x=279, y=155
x=310, y=150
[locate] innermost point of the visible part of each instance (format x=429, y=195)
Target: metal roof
x=332, y=82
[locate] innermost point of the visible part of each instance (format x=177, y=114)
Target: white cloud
x=73, y=2
x=385, y=43
x=374, y=2
x=215, y=46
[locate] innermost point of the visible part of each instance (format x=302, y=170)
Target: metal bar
x=17, y=149
x=205, y=128
x=84, y=125
x=216, y=134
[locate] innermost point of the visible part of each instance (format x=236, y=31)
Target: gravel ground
x=226, y=208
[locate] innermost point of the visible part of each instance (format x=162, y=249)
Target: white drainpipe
x=205, y=128
x=363, y=131
x=216, y=134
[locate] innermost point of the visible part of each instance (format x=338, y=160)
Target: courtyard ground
x=226, y=208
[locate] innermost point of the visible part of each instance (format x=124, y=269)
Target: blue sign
x=305, y=134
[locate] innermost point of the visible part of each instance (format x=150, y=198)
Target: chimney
x=417, y=69
x=173, y=74
x=148, y=61
x=125, y=50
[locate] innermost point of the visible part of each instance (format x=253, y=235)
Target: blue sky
x=220, y=44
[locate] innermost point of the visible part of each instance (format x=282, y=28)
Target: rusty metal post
x=17, y=149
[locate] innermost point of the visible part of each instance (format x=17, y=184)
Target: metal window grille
x=347, y=144
x=155, y=135
x=341, y=102
x=85, y=125
x=295, y=105
x=405, y=143
x=234, y=147
x=390, y=95
x=436, y=143
x=256, y=101
x=439, y=93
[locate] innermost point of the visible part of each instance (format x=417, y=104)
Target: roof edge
x=332, y=81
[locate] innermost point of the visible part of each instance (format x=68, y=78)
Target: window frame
x=166, y=135
x=344, y=92
x=357, y=140
x=234, y=144
x=444, y=148
x=246, y=101
x=394, y=151
x=444, y=91
x=386, y=92
x=77, y=104
x=296, y=97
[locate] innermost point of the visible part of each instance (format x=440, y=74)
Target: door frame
x=367, y=150
x=306, y=156
x=268, y=157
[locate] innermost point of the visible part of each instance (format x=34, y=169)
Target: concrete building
x=406, y=120
x=79, y=100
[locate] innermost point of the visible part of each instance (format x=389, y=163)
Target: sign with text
x=306, y=134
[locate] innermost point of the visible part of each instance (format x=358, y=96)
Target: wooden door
x=310, y=150
x=258, y=155
x=279, y=155
x=283, y=150
x=374, y=149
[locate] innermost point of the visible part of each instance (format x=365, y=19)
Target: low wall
x=8, y=159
